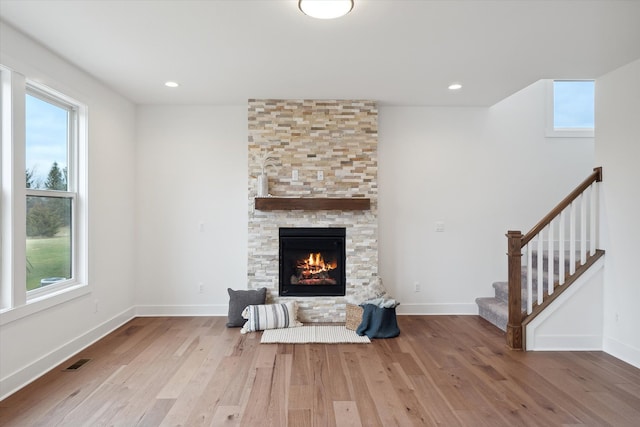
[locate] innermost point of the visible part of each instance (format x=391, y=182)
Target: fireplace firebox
x=312, y=262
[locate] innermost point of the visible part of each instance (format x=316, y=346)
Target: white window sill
x=570, y=133
x=43, y=302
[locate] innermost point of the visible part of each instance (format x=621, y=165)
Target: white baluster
x=594, y=206
x=583, y=228
x=540, y=266
x=572, y=238
x=529, y=278
x=550, y=258
x=561, y=238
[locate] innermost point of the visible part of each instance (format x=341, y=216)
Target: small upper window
x=571, y=108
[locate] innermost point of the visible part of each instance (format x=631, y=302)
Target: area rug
x=313, y=334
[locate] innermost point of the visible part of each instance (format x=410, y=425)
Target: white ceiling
x=398, y=52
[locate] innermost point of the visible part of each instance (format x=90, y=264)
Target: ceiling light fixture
x=455, y=86
x=171, y=84
x=325, y=9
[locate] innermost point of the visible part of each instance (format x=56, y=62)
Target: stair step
x=534, y=274
x=556, y=260
x=494, y=311
x=501, y=292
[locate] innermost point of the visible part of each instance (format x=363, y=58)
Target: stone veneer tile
x=339, y=138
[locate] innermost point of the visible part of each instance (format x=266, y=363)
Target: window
x=570, y=108
x=44, y=212
x=49, y=140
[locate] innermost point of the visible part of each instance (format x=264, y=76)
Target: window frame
x=72, y=145
x=550, y=130
x=15, y=301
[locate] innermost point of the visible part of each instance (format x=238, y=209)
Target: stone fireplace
x=330, y=146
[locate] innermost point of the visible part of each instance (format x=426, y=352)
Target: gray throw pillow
x=238, y=300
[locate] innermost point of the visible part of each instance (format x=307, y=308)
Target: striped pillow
x=270, y=316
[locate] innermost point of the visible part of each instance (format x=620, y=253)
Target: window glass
x=46, y=137
x=48, y=218
x=48, y=240
x=573, y=104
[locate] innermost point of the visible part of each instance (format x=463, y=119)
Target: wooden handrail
x=596, y=176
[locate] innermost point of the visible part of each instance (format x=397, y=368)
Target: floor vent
x=77, y=365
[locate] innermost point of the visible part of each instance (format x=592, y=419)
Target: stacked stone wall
x=340, y=139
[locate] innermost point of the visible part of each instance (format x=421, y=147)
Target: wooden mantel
x=312, y=203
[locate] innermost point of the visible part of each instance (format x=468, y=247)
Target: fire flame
x=314, y=270
x=315, y=263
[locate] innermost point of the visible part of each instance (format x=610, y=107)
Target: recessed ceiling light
x=171, y=84
x=325, y=9
x=455, y=86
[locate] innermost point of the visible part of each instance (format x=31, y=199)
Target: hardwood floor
x=441, y=370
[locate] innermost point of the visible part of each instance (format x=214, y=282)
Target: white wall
x=556, y=327
x=31, y=345
x=480, y=171
x=191, y=170
x=618, y=151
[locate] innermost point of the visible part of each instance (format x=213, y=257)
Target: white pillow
x=374, y=290
x=270, y=316
x=378, y=290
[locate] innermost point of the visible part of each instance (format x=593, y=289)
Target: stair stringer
x=575, y=320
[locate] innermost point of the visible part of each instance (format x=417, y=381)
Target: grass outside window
x=48, y=257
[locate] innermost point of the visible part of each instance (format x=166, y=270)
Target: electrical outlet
x=95, y=306
x=416, y=286
x=200, y=287
x=294, y=175
x=320, y=175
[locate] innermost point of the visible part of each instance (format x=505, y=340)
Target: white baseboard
x=19, y=379
x=622, y=351
x=567, y=343
x=182, y=310
x=426, y=309
x=223, y=309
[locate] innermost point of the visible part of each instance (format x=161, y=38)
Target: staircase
x=496, y=309
x=534, y=282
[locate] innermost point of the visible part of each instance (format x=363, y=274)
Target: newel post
x=514, y=325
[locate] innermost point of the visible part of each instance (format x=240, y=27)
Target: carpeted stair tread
x=556, y=261
x=501, y=292
x=494, y=311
